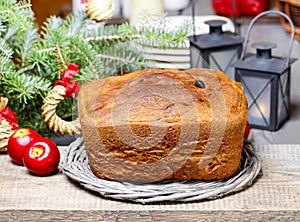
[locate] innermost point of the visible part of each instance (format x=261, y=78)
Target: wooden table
x=274, y=196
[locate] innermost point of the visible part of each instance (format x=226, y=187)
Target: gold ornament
x=6, y=130
x=55, y=123
x=99, y=10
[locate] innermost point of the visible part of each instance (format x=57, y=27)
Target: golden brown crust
x=155, y=124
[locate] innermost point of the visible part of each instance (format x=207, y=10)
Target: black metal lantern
x=266, y=81
x=217, y=49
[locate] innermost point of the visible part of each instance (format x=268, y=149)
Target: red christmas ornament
x=41, y=156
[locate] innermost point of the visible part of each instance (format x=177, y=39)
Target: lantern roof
x=216, y=38
x=263, y=60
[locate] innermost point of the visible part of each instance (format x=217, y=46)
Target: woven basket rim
x=292, y=2
x=75, y=165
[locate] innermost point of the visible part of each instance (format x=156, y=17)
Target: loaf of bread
x=157, y=124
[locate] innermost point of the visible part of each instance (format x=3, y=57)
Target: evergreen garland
x=30, y=62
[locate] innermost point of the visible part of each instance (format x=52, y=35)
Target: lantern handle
x=263, y=14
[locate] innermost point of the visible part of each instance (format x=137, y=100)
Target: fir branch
x=43, y=62
x=17, y=13
x=2, y=28
x=50, y=28
x=119, y=60
x=162, y=38
x=46, y=50
x=9, y=33
x=74, y=23
x=5, y=52
x=114, y=38
x=92, y=72
x=26, y=69
x=112, y=34
x=153, y=36
x=51, y=23
x=30, y=38
x=122, y=57
x=82, y=53
x=25, y=87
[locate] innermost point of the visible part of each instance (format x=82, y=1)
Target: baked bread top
x=158, y=95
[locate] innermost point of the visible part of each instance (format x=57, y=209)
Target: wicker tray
x=75, y=165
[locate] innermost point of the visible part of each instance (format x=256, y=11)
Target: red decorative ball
x=41, y=157
x=18, y=141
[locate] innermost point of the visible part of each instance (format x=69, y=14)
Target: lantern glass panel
x=197, y=58
x=283, y=98
x=223, y=60
x=219, y=60
x=258, y=89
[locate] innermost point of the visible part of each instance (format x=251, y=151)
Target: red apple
x=17, y=143
x=41, y=156
x=247, y=130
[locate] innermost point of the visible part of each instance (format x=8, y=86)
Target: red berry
x=17, y=143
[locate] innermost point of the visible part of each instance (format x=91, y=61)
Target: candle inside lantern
x=140, y=8
x=260, y=115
